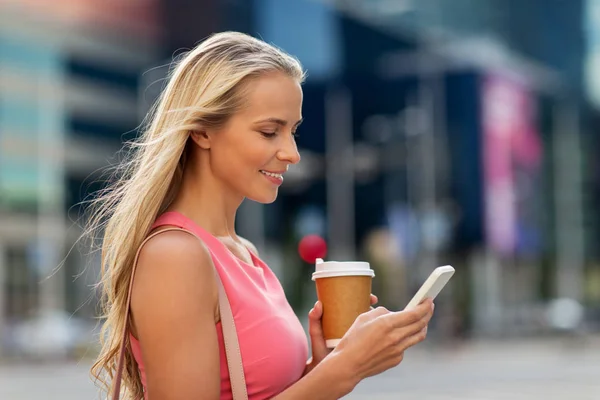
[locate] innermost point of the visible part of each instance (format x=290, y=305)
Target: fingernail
x=432, y=306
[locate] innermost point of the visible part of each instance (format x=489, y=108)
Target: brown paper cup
x=343, y=298
x=344, y=289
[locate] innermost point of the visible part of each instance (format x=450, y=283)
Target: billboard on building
x=511, y=159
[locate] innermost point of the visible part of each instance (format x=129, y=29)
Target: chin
x=264, y=198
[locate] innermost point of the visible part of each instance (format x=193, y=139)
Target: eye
x=295, y=134
x=268, y=133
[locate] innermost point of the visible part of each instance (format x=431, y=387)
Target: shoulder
x=173, y=265
x=249, y=245
x=171, y=244
x=177, y=249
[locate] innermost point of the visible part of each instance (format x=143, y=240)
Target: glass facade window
x=304, y=28
x=30, y=121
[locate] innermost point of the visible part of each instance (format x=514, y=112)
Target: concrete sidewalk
x=487, y=370
x=493, y=370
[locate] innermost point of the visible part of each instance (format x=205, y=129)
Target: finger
x=423, y=309
x=315, y=330
x=374, y=299
x=405, y=318
x=400, y=335
x=316, y=312
x=412, y=340
x=376, y=312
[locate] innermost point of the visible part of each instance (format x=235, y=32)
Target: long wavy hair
x=205, y=87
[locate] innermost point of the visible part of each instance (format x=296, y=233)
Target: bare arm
x=173, y=306
x=331, y=379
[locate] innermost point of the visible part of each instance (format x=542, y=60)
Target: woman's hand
x=317, y=339
x=378, y=338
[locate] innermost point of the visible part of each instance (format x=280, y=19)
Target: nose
x=289, y=151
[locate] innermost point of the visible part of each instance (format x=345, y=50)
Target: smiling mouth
x=273, y=176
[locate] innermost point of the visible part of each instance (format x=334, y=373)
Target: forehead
x=274, y=95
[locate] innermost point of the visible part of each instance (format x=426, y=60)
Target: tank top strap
x=177, y=219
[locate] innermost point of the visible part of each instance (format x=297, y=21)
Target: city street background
x=436, y=132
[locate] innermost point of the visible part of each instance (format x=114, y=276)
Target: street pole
x=568, y=205
x=427, y=202
x=339, y=161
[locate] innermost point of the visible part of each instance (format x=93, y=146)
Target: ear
x=201, y=138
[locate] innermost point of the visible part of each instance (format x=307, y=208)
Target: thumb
x=315, y=330
x=376, y=313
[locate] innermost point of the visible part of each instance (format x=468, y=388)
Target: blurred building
x=454, y=130
x=69, y=73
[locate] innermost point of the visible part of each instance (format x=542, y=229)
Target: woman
x=222, y=131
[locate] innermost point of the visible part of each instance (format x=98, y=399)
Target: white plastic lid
x=328, y=269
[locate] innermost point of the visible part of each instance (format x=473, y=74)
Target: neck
x=207, y=201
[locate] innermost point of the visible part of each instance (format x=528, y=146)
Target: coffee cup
x=344, y=290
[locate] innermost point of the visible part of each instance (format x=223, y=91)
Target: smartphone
x=432, y=286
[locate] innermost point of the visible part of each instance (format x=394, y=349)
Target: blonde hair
x=205, y=88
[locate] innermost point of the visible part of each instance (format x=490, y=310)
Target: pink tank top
x=272, y=341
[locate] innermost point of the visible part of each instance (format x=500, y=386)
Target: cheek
x=255, y=153
x=242, y=158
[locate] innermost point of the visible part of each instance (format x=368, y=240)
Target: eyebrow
x=281, y=122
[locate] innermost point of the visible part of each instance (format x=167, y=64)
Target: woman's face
x=251, y=153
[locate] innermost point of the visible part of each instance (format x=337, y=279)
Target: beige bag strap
x=232, y=347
